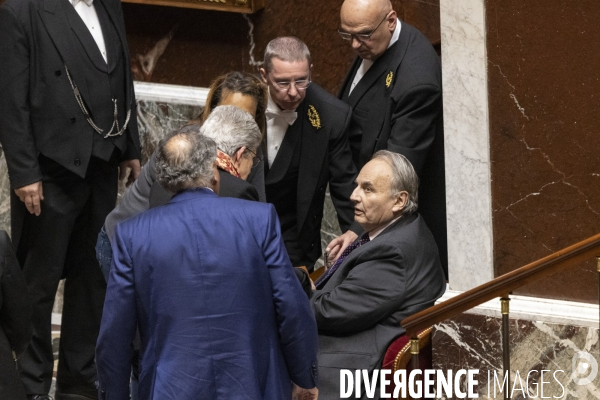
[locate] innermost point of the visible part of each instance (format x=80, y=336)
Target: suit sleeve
x=135, y=200
x=297, y=327
x=15, y=310
x=342, y=173
x=414, y=123
x=15, y=128
x=114, y=348
x=373, y=289
x=133, y=137
x=133, y=150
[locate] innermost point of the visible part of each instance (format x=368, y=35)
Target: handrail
x=504, y=284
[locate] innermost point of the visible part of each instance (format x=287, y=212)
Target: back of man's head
x=231, y=128
x=286, y=48
x=185, y=159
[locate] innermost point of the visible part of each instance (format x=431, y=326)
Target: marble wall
x=543, y=99
x=206, y=44
x=472, y=341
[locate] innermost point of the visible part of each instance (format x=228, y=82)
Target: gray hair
x=404, y=178
x=185, y=160
x=286, y=48
x=231, y=128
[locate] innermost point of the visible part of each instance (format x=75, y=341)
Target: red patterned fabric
x=224, y=162
x=425, y=358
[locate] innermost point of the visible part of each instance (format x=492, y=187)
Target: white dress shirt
x=90, y=19
x=278, y=122
x=366, y=64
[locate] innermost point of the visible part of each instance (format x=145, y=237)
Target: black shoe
x=39, y=397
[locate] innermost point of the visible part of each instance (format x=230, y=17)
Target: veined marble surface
x=466, y=130
x=474, y=342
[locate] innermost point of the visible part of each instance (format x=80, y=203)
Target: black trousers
x=59, y=244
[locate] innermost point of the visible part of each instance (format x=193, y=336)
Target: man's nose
x=293, y=90
x=354, y=196
x=356, y=43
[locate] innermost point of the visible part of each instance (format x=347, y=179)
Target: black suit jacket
x=397, y=106
x=39, y=111
x=380, y=283
x=15, y=320
x=325, y=158
x=231, y=186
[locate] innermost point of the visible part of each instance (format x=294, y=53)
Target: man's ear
x=401, y=201
x=239, y=154
x=392, y=25
x=263, y=74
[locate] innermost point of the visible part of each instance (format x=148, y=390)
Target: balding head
x=362, y=17
x=186, y=159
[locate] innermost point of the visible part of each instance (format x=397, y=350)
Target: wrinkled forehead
x=377, y=173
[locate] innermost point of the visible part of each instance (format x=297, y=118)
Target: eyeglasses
x=255, y=158
x=361, y=37
x=284, y=86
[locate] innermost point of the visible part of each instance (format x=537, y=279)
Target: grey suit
x=380, y=283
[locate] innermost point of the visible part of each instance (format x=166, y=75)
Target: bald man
x=395, y=90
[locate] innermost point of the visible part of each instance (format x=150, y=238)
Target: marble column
x=466, y=130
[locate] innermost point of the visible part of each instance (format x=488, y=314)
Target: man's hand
x=336, y=247
x=133, y=166
x=32, y=195
x=299, y=393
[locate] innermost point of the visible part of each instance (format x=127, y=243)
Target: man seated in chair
x=207, y=279
x=392, y=271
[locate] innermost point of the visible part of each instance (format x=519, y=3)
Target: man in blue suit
x=220, y=311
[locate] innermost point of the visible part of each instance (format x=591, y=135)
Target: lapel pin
x=313, y=117
x=388, y=79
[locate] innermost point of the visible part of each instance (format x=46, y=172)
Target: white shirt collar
x=376, y=232
x=396, y=33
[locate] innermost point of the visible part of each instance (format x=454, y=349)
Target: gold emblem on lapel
x=313, y=117
x=388, y=79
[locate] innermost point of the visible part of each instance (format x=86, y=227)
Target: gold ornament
x=388, y=79
x=313, y=117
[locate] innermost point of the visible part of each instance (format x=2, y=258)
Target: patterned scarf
x=224, y=162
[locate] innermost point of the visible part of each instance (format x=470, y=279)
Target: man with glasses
x=395, y=90
x=306, y=148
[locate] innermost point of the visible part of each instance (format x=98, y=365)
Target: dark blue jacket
x=220, y=311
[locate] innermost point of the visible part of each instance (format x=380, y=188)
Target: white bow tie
x=288, y=116
x=88, y=2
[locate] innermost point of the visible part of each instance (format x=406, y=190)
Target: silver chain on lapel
x=88, y=117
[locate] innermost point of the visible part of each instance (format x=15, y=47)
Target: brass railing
x=502, y=286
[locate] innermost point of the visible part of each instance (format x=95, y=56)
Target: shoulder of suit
x=324, y=101
x=420, y=63
x=21, y=7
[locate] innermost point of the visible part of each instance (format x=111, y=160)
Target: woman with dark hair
x=239, y=89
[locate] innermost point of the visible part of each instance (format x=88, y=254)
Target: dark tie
x=325, y=277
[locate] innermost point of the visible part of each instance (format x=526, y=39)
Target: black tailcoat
x=325, y=157
x=46, y=138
